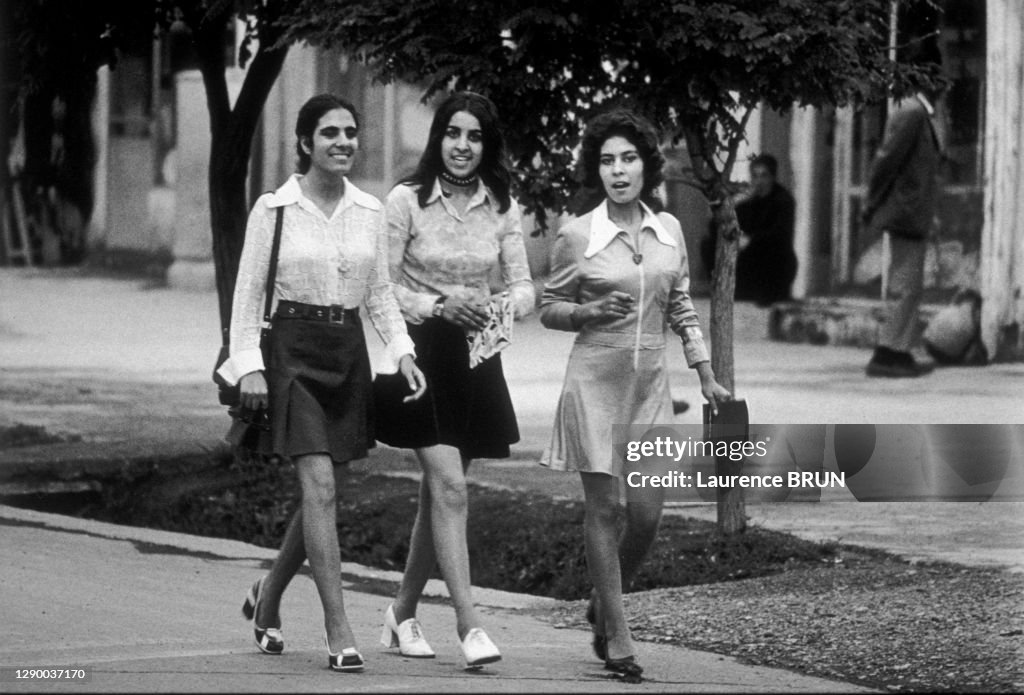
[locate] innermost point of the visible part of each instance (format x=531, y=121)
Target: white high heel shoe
x=408, y=636
x=478, y=649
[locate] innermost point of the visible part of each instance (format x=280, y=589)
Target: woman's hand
x=614, y=305
x=713, y=392
x=467, y=313
x=417, y=382
x=253, y=391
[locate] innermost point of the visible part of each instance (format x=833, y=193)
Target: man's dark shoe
x=895, y=365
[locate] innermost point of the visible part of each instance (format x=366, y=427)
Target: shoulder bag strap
x=271, y=275
x=272, y=271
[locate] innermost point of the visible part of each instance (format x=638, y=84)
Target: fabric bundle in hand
x=496, y=335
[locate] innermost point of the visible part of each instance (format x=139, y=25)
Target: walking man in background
x=902, y=195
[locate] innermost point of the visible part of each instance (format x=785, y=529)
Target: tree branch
x=207, y=37
x=734, y=144
x=263, y=70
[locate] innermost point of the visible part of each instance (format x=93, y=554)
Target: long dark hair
x=492, y=170
x=309, y=115
x=641, y=134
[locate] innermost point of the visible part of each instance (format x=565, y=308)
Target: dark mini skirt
x=469, y=409
x=319, y=383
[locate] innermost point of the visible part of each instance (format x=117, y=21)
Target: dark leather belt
x=335, y=313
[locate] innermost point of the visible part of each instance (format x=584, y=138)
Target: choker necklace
x=457, y=180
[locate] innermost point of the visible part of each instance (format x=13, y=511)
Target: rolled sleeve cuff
x=693, y=346
x=241, y=363
x=399, y=347
x=422, y=305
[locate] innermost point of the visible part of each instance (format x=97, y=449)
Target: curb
x=221, y=548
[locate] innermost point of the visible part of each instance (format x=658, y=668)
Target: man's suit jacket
x=903, y=185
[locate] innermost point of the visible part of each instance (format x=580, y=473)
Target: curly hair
x=640, y=133
x=309, y=115
x=493, y=170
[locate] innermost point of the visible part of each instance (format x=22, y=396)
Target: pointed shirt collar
x=603, y=230
x=291, y=192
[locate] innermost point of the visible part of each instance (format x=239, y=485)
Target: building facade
x=151, y=122
x=975, y=240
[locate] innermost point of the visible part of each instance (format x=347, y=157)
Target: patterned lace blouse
x=341, y=260
x=435, y=251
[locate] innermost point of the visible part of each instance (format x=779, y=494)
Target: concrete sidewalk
x=149, y=611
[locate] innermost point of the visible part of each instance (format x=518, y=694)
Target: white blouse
x=340, y=260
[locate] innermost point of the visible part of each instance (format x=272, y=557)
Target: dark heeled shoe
x=268, y=639
x=348, y=659
x=599, y=642
x=626, y=669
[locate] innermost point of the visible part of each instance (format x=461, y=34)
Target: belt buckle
x=338, y=314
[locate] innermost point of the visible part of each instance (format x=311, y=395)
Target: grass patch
x=519, y=541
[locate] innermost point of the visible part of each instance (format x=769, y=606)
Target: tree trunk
x=732, y=517
x=1002, y=250
x=229, y=210
x=231, y=131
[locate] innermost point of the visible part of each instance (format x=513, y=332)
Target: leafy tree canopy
x=695, y=67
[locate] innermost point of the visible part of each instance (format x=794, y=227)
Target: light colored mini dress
x=616, y=373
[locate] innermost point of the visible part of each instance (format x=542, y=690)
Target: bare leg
x=320, y=536
x=287, y=564
x=643, y=516
x=444, y=496
x=601, y=495
x=421, y=560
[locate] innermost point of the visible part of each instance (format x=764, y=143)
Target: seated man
x=766, y=265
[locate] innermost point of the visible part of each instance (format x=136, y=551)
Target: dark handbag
x=228, y=394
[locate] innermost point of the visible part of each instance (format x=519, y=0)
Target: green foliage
x=695, y=67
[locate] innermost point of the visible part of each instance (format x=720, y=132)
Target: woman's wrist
x=576, y=317
x=438, y=308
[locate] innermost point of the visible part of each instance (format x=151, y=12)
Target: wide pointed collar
x=291, y=192
x=603, y=230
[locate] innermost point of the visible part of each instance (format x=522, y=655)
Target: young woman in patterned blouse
x=333, y=256
x=455, y=241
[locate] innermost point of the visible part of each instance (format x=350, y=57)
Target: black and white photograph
x=477, y=346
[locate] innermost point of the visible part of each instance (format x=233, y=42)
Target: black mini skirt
x=469, y=409
x=319, y=383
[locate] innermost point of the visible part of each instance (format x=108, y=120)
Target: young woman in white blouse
x=332, y=258
x=456, y=239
